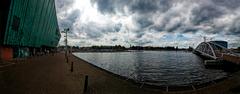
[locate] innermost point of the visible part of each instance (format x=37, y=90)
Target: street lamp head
x=67, y=29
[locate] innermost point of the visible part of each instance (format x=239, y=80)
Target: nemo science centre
x=27, y=27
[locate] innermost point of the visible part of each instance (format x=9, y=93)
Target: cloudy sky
x=181, y=23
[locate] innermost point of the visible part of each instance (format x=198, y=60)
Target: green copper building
x=27, y=27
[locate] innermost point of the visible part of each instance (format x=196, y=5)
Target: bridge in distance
x=217, y=50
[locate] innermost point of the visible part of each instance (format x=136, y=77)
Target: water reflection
x=155, y=67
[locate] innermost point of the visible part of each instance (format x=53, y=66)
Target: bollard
x=67, y=59
x=85, y=84
x=142, y=85
x=167, y=89
x=72, y=67
x=193, y=87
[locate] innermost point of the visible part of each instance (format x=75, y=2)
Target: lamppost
x=66, y=43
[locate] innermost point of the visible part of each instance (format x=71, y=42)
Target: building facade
x=27, y=27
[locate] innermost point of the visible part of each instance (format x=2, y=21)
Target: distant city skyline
x=181, y=23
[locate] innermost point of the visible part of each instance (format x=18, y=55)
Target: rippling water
x=155, y=67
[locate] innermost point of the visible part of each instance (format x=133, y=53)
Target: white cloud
x=153, y=22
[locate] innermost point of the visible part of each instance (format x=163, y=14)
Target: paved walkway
x=51, y=75
x=40, y=75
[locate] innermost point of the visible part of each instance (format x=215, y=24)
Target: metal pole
x=72, y=67
x=85, y=84
x=66, y=44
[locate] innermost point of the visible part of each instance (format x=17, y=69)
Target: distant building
x=222, y=43
x=27, y=27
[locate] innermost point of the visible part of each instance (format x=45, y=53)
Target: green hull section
x=32, y=23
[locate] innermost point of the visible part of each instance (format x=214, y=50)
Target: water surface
x=155, y=67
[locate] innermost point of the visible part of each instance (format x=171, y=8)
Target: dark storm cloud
x=144, y=22
x=205, y=13
x=139, y=34
x=143, y=6
x=165, y=16
x=134, y=6
x=95, y=30
x=114, y=39
x=110, y=6
x=63, y=5
x=106, y=6
x=235, y=29
x=157, y=28
x=118, y=27
x=70, y=19
x=174, y=27
x=189, y=29
x=65, y=19
x=149, y=6
x=232, y=4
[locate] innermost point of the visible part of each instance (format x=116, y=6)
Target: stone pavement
x=40, y=75
x=51, y=75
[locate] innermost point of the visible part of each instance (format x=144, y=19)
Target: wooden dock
x=231, y=58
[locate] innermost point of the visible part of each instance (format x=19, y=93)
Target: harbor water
x=160, y=68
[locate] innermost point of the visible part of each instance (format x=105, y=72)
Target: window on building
x=15, y=23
